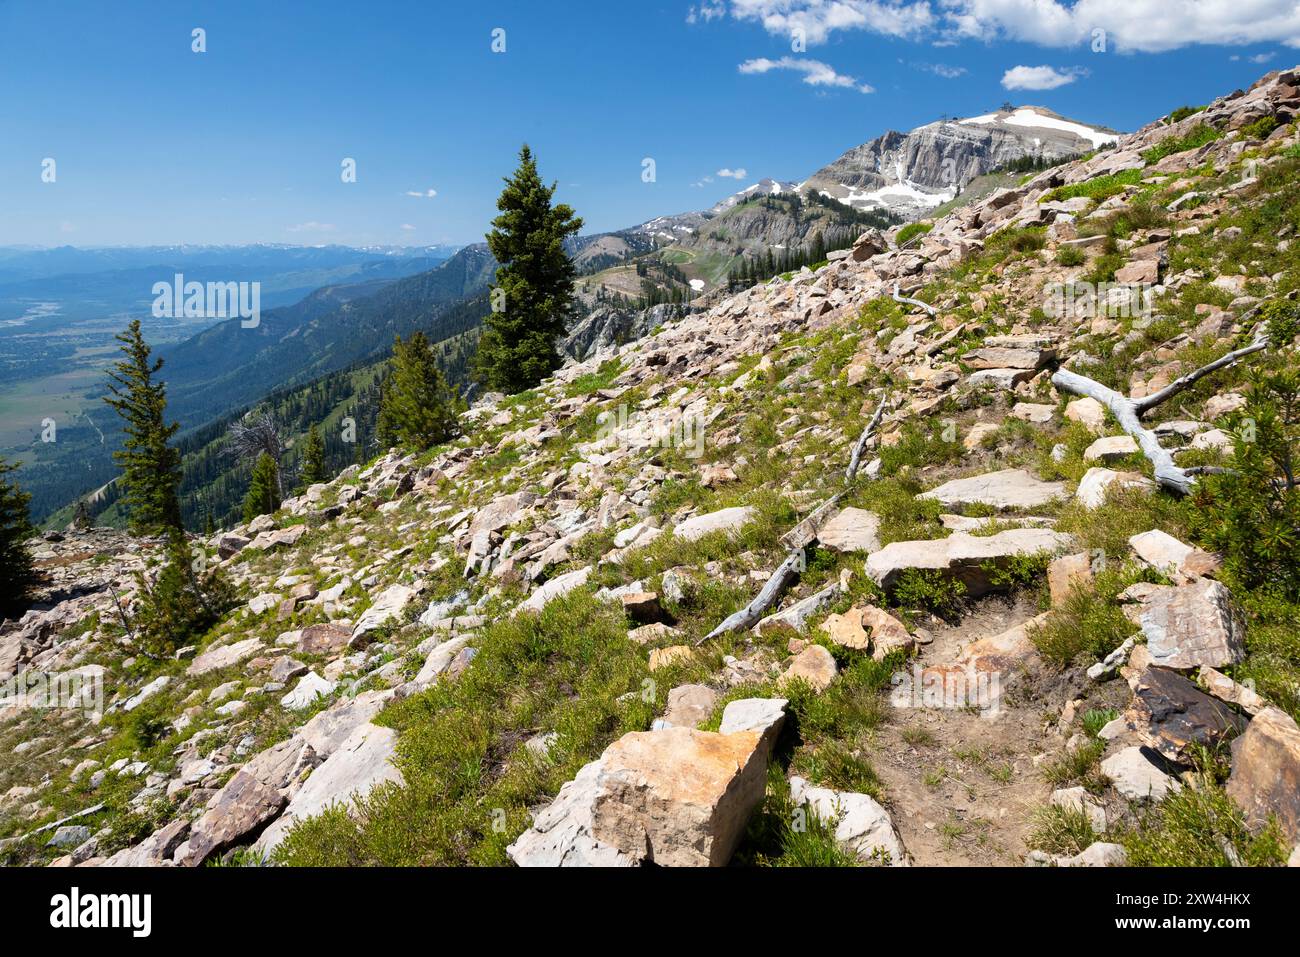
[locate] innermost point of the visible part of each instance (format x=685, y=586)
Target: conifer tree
x=185, y=599
x=818, y=248
x=16, y=572
x=534, y=282
x=417, y=408
x=151, y=469
x=262, y=498
x=313, y=458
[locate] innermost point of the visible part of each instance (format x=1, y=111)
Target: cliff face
x=911, y=173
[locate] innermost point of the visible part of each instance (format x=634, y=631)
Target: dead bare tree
x=250, y=437
x=1129, y=411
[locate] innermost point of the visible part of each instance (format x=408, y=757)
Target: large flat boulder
x=233, y=815
x=852, y=530
x=1187, y=626
x=500, y=513
x=1136, y=777
x=1003, y=357
x=724, y=520
x=560, y=585
x=1265, y=780
x=387, y=607
x=362, y=763
x=676, y=797
x=1008, y=489
x=326, y=732
x=729, y=520
x=968, y=558
x=225, y=656
x=1174, y=715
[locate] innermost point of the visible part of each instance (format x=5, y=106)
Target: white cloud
x=1130, y=25
x=706, y=11
x=704, y=181
x=1147, y=26
x=426, y=194
x=1038, y=77
x=818, y=19
x=726, y=173
x=944, y=70
x=311, y=227
x=815, y=72
x=408, y=227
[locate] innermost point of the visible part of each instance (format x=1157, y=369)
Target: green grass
x=1061, y=830
x=1088, y=624
x=911, y=231
x=1098, y=188
x=1201, y=827
x=468, y=780
x=1078, y=766
x=1197, y=136
x=1070, y=256
x=783, y=835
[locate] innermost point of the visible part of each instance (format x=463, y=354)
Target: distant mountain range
x=349, y=322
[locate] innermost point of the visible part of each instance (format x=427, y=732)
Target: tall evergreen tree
x=262, y=497
x=16, y=572
x=151, y=469
x=417, y=409
x=534, y=283
x=313, y=458
x=818, y=248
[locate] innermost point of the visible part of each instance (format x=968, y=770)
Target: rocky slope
x=836, y=572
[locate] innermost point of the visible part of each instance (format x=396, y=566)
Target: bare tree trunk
x=858, y=447
x=750, y=615
x=1128, y=411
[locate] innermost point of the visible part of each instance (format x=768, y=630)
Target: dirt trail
x=962, y=785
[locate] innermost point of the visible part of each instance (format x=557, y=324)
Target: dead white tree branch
x=794, y=563
x=1128, y=411
x=858, y=447
x=929, y=309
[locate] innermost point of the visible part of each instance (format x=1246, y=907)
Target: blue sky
x=243, y=143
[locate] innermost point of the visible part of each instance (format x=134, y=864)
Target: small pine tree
x=262, y=498
x=1251, y=515
x=151, y=469
x=187, y=597
x=17, y=574
x=313, y=458
x=534, y=283
x=417, y=409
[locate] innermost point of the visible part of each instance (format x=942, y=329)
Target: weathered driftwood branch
x=1183, y=383
x=750, y=615
x=852, y=472
x=1128, y=411
x=929, y=309
x=789, y=569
